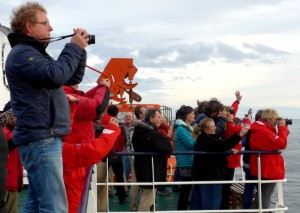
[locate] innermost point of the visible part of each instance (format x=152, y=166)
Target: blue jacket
x=184, y=142
x=35, y=79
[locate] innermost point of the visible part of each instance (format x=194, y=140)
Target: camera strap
x=57, y=38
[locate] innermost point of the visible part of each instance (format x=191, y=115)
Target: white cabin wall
x=4, y=91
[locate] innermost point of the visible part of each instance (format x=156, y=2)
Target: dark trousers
x=176, y=178
x=117, y=167
x=185, y=191
x=226, y=189
x=267, y=190
x=248, y=190
x=163, y=174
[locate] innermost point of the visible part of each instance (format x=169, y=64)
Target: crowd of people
x=57, y=133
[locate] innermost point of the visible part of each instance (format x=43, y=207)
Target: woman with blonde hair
x=208, y=167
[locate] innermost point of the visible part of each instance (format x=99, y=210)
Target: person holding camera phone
x=39, y=103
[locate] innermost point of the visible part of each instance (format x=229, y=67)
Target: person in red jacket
x=14, y=179
x=233, y=161
x=167, y=131
x=90, y=106
x=77, y=156
x=265, y=137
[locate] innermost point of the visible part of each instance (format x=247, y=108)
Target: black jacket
x=147, y=139
x=212, y=167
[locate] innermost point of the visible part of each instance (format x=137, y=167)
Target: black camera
x=91, y=39
x=287, y=121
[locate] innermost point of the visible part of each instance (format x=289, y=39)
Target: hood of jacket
x=258, y=124
x=144, y=126
x=16, y=38
x=180, y=122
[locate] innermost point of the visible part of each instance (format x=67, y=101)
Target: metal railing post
x=107, y=196
x=259, y=183
x=153, y=185
x=280, y=203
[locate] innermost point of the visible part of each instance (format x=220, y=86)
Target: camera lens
x=91, y=39
x=288, y=121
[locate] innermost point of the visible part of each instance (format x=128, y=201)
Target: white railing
x=279, y=208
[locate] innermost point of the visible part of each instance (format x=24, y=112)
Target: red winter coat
x=75, y=168
x=14, y=179
x=164, y=129
x=233, y=161
x=86, y=110
x=78, y=156
x=120, y=142
x=263, y=137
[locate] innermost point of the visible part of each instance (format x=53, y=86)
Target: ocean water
x=292, y=159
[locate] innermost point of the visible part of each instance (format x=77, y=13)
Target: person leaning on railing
x=3, y=172
x=265, y=137
x=77, y=156
x=147, y=139
x=184, y=142
x=211, y=167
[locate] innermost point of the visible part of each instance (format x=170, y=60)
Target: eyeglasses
x=45, y=23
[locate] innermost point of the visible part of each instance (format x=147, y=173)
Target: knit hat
x=7, y=106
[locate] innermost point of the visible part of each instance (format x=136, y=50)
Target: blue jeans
x=42, y=160
x=126, y=166
x=206, y=196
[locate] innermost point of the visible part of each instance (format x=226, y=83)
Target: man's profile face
x=41, y=28
x=143, y=112
x=156, y=119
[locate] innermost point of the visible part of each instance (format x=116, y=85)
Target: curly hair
x=213, y=105
x=24, y=13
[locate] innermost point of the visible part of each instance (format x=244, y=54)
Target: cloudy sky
x=191, y=50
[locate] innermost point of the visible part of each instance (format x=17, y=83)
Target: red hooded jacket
x=233, y=161
x=86, y=111
x=120, y=142
x=80, y=149
x=14, y=179
x=263, y=137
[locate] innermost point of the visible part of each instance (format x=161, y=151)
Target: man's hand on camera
x=80, y=38
x=105, y=82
